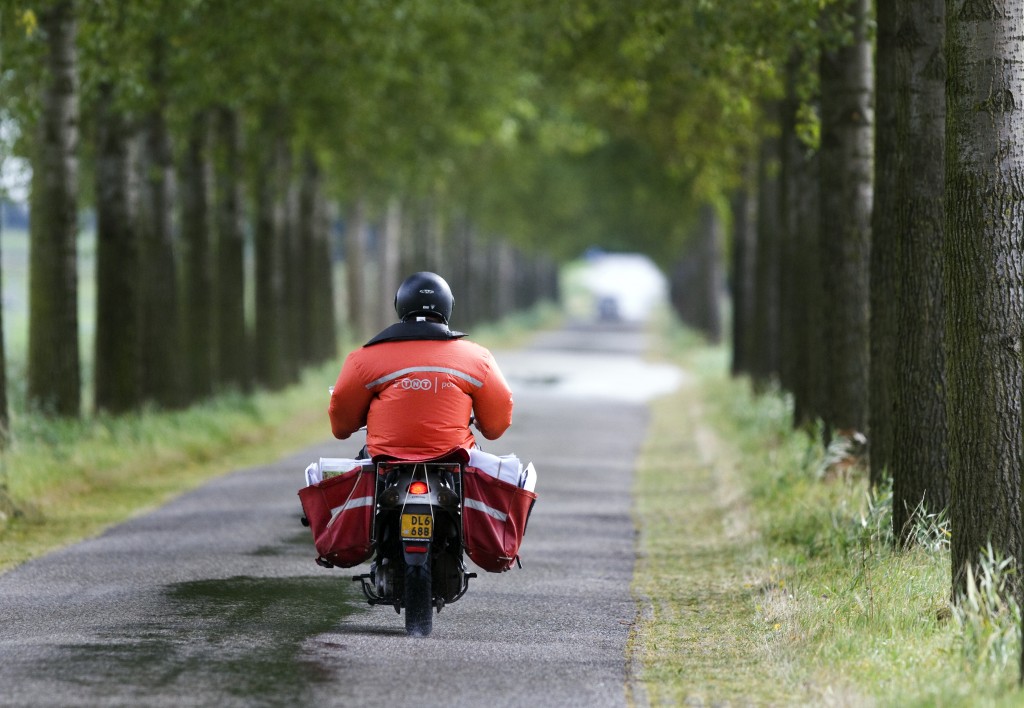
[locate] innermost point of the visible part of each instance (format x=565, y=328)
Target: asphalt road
x=214, y=599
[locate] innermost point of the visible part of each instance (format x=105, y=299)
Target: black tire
x=419, y=610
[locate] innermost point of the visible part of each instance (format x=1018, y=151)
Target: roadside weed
x=988, y=617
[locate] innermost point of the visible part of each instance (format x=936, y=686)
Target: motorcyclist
x=416, y=385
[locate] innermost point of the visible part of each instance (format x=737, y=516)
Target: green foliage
x=556, y=124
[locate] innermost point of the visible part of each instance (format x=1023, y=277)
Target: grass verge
x=68, y=480
x=761, y=582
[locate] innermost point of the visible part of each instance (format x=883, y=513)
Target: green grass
x=65, y=480
x=762, y=582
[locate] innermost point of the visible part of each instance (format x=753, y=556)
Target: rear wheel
x=419, y=611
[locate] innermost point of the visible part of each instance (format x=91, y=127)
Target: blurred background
x=211, y=196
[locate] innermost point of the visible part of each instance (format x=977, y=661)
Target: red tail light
x=418, y=487
x=416, y=549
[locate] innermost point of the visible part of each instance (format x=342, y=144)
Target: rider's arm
x=492, y=403
x=350, y=401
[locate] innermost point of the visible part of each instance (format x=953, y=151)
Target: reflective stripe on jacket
x=416, y=397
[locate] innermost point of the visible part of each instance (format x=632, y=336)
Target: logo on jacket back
x=415, y=384
x=423, y=384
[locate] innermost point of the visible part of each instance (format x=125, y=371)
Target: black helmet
x=424, y=293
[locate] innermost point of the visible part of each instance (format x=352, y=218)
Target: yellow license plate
x=417, y=526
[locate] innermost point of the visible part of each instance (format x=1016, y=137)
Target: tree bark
x=321, y=268
x=466, y=306
x=919, y=458
x=765, y=342
x=846, y=199
x=886, y=250
x=315, y=313
x=198, y=262
x=356, y=238
x=293, y=242
x=268, y=351
x=307, y=286
x=744, y=219
x=118, y=364
x=231, y=340
x=697, y=284
x=984, y=277
x=54, y=377
x=504, y=279
x=161, y=325
x=390, y=256
x=791, y=316
x=810, y=394
x=800, y=284
x=435, y=235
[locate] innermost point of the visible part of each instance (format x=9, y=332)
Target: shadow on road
x=242, y=636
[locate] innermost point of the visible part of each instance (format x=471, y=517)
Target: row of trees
x=875, y=238
x=877, y=268
x=868, y=160
x=219, y=145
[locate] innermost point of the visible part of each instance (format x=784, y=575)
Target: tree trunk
x=323, y=336
x=269, y=286
x=491, y=281
x=198, y=263
x=437, y=260
x=744, y=219
x=465, y=312
x=413, y=255
x=920, y=451
x=315, y=314
x=504, y=279
x=703, y=286
x=356, y=238
x=765, y=343
x=307, y=286
x=161, y=329
x=846, y=196
x=800, y=275
x=984, y=278
x=293, y=242
x=54, y=377
x=792, y=316
x=390, y=255
x=886, y=267
x=231, y=341
x=118, y=365
x=809, y=395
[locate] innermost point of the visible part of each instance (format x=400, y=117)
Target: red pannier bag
x=340, y=514
x=494, y=516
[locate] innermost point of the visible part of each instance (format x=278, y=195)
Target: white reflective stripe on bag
x=350, y=504
x=489, y=510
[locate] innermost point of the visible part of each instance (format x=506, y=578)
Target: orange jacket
x=415, y=397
